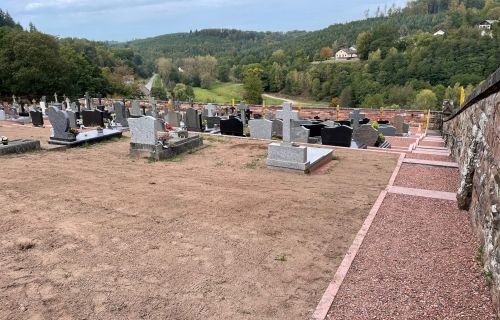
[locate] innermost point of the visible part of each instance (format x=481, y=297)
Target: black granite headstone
x=383, y=122
x=212, y=121
x=364, y=121
x=339, y=136
x=36, y=118
x=344, y=122
x=314, y=129
x=231, y=127
x=93, y=118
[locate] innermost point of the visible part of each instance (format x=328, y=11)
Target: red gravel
x=417, y=262
x=428, y=177
x=401, y=141
x=434, y=157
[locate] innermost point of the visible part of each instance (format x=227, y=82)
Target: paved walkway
x=416, y=260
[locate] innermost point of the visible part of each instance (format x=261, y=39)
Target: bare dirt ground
x=90, y=233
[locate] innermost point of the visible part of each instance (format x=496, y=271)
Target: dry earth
x=90, y=233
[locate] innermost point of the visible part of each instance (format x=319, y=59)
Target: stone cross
x=210, y=110
x=68, y=102
x=55, y=97
x=14, y=100
x=154, y=111
x=87, y=100
x=355, y=116
x=243, y=107
x=287, y=115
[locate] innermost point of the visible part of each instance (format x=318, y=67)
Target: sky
x=122, y=20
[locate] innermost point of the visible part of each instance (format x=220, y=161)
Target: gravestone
x=232, y=127
x=93, y=118
x=346, y=123
x=36, y=118
x=364, y=121
x=295, y=115
x=277, y=128
x=154, y=110
x=212, y=122
x=2, y=114
x=43, y=104
x=72, y=116
x=406, y=127
x=144, y=130
x=340, y=136
x=383, y=122
x=330, y=123
x=300, y=134
x=387, y=130
x=365, y=135
x=261, y=129
x=243, y=108
x=120, y=114
x=60, y=125
x=173, y=118
x=136, y=109
x=355, y=117
x=314, y=129
x=210, y=110
x=397, y=122
x=193, y=120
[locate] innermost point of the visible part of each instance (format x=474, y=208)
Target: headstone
x=355, y=117
x=2, y=114
x=60, y=124
x=36, y=118
x=120, y=114
x=232, y=126
x=43, y=104
x=300, y=134
x=364, y=121
x=154, y=110
x=144, y=130
x=295, y=115
x=74, y=107
x=93, y=118
x=261, y=129
x=340, y=136
x=406, y=127
x=344, y=123
x=277, y=130
x=136, y=109
x=193, y=120
x=173, y=118
x=212, y=122
x=315, y=129
x=383, y=122
x=287, y=115
x=330, y=123
x=387, y=130
x=210, y=110
x=72, y=116
x=243, y=109
x=365, y=135
x=397, y=122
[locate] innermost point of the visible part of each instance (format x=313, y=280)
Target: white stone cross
x=55, y=97
x=210, y=110
x=287, y=114
x=243, y=107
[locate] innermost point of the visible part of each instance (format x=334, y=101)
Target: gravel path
x=417, y=262
x=428, y=177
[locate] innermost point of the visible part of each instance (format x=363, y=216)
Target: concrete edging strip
x=331, y=291
x=423, y=193
x=432, y=163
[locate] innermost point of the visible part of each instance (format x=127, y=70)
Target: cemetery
x=232, y=212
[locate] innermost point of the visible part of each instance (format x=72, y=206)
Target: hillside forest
x=402, y=63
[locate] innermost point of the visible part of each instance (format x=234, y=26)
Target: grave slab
x=88, y=137
x=19, y=146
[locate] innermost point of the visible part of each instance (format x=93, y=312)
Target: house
x=346, y=54
x=439, y=33
x=485, y=27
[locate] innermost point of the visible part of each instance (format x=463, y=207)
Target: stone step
x=432, y=163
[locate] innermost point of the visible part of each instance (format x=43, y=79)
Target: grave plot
x=92, y=233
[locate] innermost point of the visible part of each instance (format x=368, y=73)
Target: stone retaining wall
x=473, y=135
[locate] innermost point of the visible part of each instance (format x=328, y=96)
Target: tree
x=373, y=101
x=426, y=99
x=183, y=92
x=346, y=98
x=252, y=84
x=326, y=53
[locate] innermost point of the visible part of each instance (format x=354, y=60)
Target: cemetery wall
x=473, y=135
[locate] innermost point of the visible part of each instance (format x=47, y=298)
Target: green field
x=224, y=93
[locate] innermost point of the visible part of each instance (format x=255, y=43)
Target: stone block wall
x=473, y=135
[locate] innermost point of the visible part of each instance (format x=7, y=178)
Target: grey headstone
x=243, y=108
x=144, y=130
x=277, y=128
x=287, y=115
x=365, y=134
x=2, y=115
x=60, y=123
x=136, y=109
x=261, y=129
x=120, y=114
x=330, y=123
x=173, y=118
x=387, y=130
x=298, y=123
x=210, y=110
x=356, y=116
x=72, y=119
x=279, y=115
x=300, y=134
x=397, y=122
x=193, y=119
x=406, y=127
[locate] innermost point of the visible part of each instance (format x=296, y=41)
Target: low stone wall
x=473, y=135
